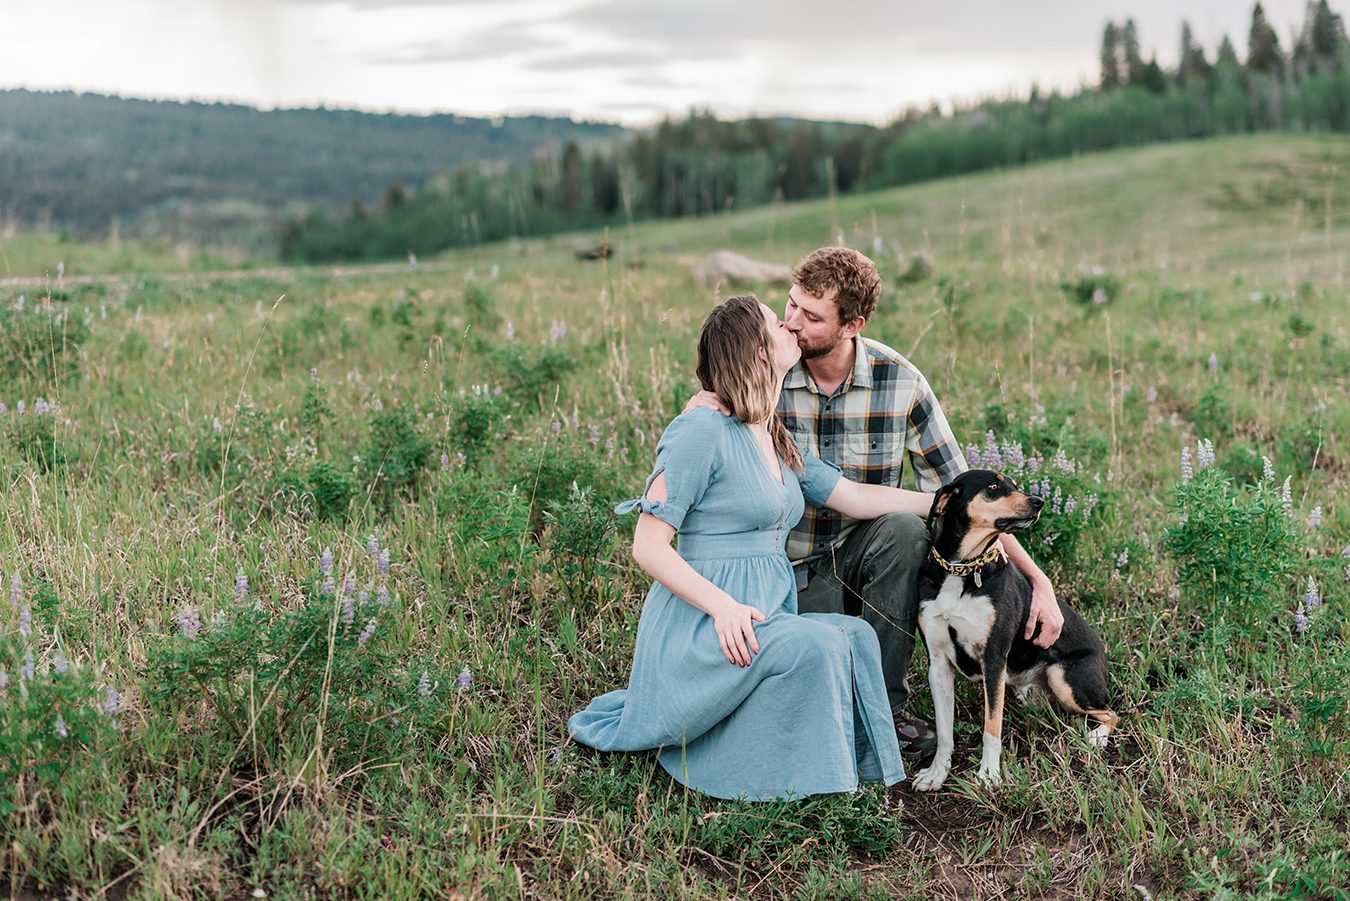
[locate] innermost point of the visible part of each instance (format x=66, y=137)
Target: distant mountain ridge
x=92, y=164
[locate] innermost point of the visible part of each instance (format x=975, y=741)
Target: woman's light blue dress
x=810, y=714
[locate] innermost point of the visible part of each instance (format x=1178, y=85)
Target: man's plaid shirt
x=883, y=413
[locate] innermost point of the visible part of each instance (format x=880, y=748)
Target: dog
x=973, y=608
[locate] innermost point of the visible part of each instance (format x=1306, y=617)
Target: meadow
x=308, y=569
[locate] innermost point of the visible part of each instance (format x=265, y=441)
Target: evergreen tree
x=1152, y=77
x=1263, y=45
x=1192, y=66
x=1326, y=33
x=1129, y=45
x=1110, y=57
x=1227, y=55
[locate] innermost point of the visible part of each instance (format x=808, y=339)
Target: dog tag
x=978, y=582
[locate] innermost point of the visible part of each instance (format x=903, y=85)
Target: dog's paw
x=989, y=774
x=930, y=779
x=1097, y=737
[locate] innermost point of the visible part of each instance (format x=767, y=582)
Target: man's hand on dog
x=1045, y=612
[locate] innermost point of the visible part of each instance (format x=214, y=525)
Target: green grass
x=1228, y=777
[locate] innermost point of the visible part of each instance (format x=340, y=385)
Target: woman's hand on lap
x=736, y=632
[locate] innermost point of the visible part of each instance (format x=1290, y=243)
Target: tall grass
x=473, y=422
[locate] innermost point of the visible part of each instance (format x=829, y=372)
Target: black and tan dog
x=973, y=608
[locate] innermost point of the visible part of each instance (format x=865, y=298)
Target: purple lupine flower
x=1204, y=454
x=1012, y=452
x=465, y=679
x=1300, y=620
x=1099, y=295
x=349, y=585
x=1070, y=505
x=555, y=754
x=373, y=545
x=382, y=596
x=366, y=633
x=28, y=669
x=240, y=586
x=424, y=686
x=16, y=590
x=445, y=461
x=363, y=596
x=1345, y=552
x=595, y=435
x=460, y=458
x=1213, y=362
x=557, y=331
x=40, y=406
x=1267, y=469
x=111, y=702
x=972, y=454
x=1151, y=394
x=25, y=620
x=19, y=408
x=348, y=609
x=1062, y=462
x=1347, y=572
x=1287, y=494
x=1315, y=517
x=992, y=459
x=1186, y=471
x=382, y=562
x=60, y=727
x=60, y=665
x=556, y=426
x=326, y=561
x=1056, y=503
x=188, y=621
x=1312, y=597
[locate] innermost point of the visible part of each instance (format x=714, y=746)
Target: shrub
x=531, y=376
x=397, y=452
x=1093, y=287
x=32, y=434
x=579, y=535
x=1236, y=549
x=477, y=423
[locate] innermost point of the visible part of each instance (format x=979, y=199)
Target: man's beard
x=814, y=351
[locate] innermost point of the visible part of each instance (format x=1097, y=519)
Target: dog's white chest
x=970, y=616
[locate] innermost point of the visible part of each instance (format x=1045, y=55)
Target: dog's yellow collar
x=966, y=567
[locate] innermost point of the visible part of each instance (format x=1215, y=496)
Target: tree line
x=700, y=165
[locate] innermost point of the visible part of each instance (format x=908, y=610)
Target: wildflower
x=326, y=561
x=1070, y=505
x=1056, y=504
x=60, y=727
x=25, y=620
x=1345, y=552
x=1347, y=572
x=1213, y=362
x=4, y=677
x=465, y=679
x=424, y=686
x=29, y=668
x=972, y=454
x=382, y=562
x=555, y=754
x=1123, y=560
x=460, y=458
x=1099, y=295
x=1287, y=494
x=445, y=461
x=363, y=596
x=41, y=406
x=382, y=596
x=595, y=435
x=19, y=408
x=992, y=459
x=373, y=545
x=1267, y=469
x=510, y=332
x=556, y=426
x=59, y=662
x=188, y=620
x=1089, y=504
x=1186, y=471
x=348, y=609
x=557, y=331
x=240, y=585
x=1312, y=597
x=1062, y=462
x=1204, y=453
x=1151, y=394
x=349, y=585
x=1300, y=620
x=219, y=619
x=366, y=633
x=111, y=701
x=1315, y=517
x=16, y=590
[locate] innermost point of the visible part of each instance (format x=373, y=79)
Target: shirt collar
x=860, y=378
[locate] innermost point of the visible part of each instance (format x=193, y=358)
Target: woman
x=742, y=696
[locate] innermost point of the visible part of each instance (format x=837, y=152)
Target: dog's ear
x=941, y=498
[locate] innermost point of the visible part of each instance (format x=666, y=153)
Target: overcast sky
x=620, y=60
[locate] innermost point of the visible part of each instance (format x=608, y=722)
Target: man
x=861, y=405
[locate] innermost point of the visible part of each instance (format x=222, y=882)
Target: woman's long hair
x=735, y=362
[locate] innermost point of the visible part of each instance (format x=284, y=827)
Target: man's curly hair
x=842, y=268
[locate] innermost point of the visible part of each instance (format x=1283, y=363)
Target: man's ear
x=851, y=329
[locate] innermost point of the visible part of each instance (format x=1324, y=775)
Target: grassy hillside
x=223, y=174
x=275, y=729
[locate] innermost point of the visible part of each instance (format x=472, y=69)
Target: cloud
x=507, y=39
x=615, y=59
